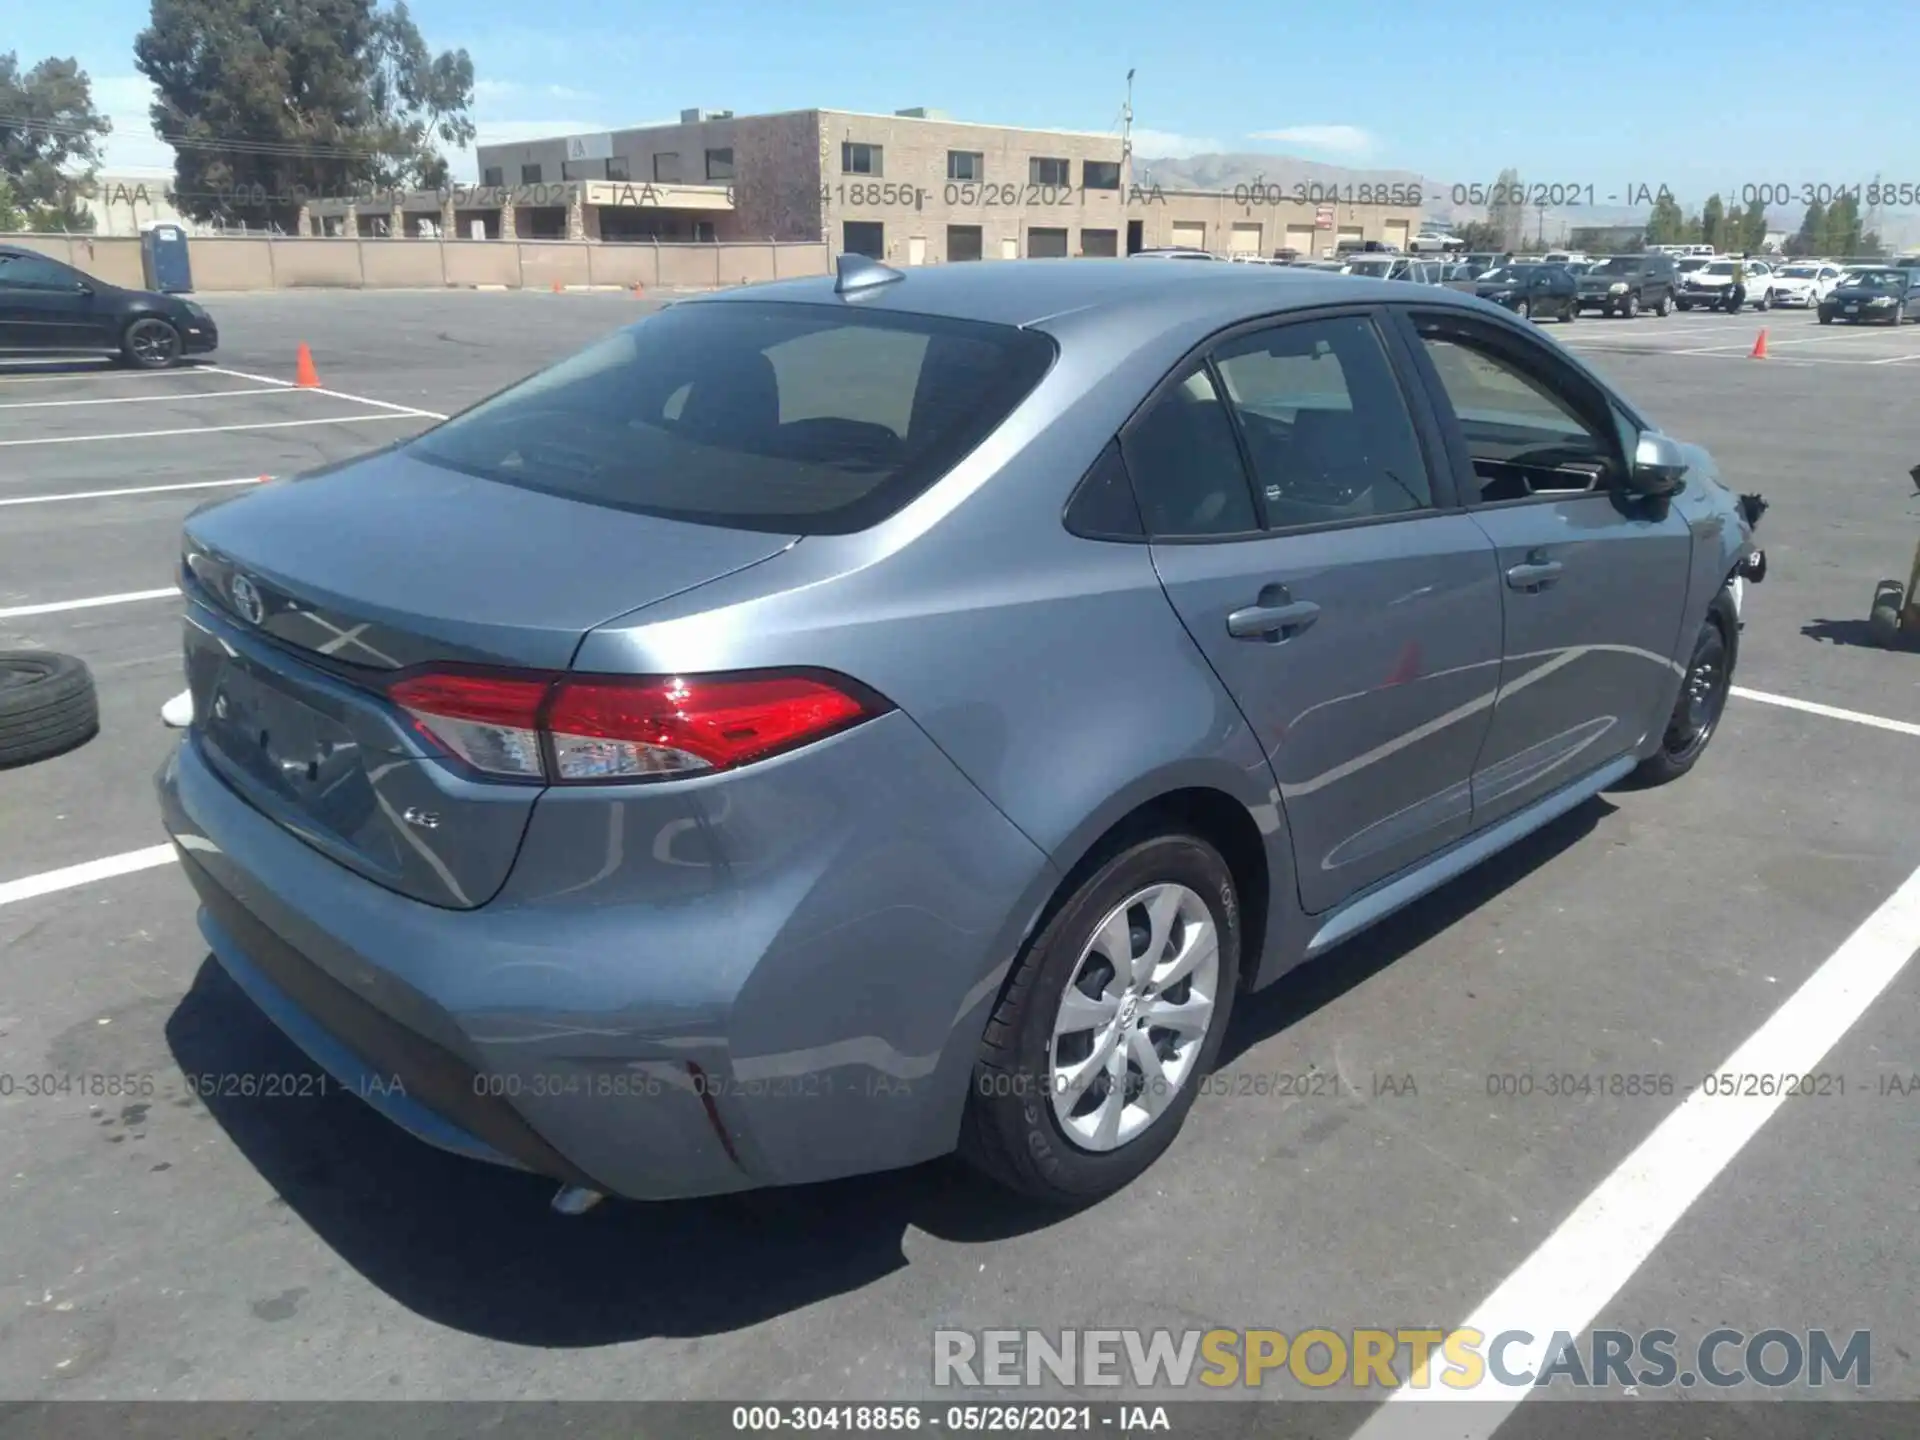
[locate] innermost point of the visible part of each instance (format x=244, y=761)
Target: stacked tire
x=47, y=705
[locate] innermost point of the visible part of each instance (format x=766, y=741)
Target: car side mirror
x=1659, y=468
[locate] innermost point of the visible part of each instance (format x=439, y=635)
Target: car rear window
x=794, y=419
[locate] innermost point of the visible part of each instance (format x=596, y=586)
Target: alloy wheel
x=152, y=343
x=1134, y=1016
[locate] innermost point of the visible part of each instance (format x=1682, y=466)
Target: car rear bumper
x=1794, y=299
x=775, y=977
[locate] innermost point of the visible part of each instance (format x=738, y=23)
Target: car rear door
x=43, y=305
x=1593, y=581
x=1343, y=598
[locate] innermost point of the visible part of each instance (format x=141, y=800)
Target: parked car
x=1564, y=257
x=1395, y=267
x=630, y=784
x=49, y=308
x=1685, y=265
x=1540, y=292
x=1627, y=284
x=1431, y=241
x=1711, y=286
x=1883, y=294
x=1804, y=284
x=1171, y=252
x=1484, y=260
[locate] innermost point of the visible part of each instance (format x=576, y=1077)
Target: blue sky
x=1611, y=95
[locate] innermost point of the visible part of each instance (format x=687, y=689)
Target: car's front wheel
x=150, y=343
x=1111, y=1017
x=1703, y=695
x=1686, y=304
x=1665, y=307
x=1524, y=309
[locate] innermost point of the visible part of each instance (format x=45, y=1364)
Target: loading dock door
x=1300, y=239
x=1190, y=234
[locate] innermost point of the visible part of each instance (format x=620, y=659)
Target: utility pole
x=1126, y=139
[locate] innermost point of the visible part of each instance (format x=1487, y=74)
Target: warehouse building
x=914, y=188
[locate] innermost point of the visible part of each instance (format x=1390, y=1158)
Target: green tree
x=1481, y=235
x=49, y=143
x=1752, y=236
x=1844, y=234
x=1714, y=222
x=1668, y=225
x=1509, y=217
x=269, y=101
x=1811, y=237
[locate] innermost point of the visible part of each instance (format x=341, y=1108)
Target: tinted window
x=788, y=418
x=35, y=272
x=1524, y=436
x=1103, y=507
x=1186, y=465
x=1325, y=423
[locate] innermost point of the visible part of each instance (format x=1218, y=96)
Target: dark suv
x=1628, y=284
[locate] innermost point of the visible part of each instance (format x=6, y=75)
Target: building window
x=864, y=237
x=857, y=159
x=493, y=175
x=1045, y=170
x=963, y=242
x=667, y=167
x=1100, y=175
x=703, y=232
x=720, y=164
x=966, y=165
x=1046, y=244
x=1100, y=242
x=617, y=168
x=529, y=174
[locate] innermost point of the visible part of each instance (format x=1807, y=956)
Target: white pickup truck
x=1711, y=286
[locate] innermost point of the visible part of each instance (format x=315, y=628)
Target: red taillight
x=600, y=729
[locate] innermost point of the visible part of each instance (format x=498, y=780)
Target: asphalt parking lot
x=191, y=1244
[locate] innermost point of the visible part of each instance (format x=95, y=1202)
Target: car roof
x=1028, y=292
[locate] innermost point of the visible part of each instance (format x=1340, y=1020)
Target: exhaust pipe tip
x=575, y=1200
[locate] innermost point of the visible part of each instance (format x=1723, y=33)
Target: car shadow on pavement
x=1321, y=981
x=1841, y=632
x=475, y=1247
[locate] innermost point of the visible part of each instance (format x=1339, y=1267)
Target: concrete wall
x=259, y=263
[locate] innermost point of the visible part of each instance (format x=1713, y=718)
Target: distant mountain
x=1898, y=230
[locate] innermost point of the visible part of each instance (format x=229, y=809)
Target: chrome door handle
x=1272, y=622
x=1534, y=575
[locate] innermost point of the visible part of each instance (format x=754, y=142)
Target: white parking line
x=131, y=490
x=1563, y=1285
x=84, y=874
x=138, y=399
x=87, y=604
x=216, y=429
x=1831, y=712
x=336, y=394
x=1830, y=337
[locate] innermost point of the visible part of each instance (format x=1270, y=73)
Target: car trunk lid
x=307, y=597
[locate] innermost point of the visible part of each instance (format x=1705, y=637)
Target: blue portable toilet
x=163, y=255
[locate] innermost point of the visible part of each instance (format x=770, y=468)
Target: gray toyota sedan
x=830, y=724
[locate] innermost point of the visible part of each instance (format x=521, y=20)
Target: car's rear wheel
x=1111, y=1017
x=47, y=705
x=1572, y=312
x=1765, y=302
x=1703, y=695
x=1524, y=309
x=150, y=343
x=1685, y=304
x=1631, y=306
x=1825, y=318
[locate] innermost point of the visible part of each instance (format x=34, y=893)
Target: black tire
x=1684, y=304
x=150, y=343
x=47, y=705
x=1630, y=307
x=1883, y=625
x=1572, y=313
x=1825, y=318
x=1524, y=309
x=1010, y=1131
x=1665, y=307
x=1696, y=716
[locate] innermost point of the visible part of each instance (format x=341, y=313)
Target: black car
x=50, y=308
x=1532, y=291
x=1887, y=294
x=1627, y=284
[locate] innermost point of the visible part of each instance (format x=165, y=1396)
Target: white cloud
x=1166, y=145
x=1339, y=139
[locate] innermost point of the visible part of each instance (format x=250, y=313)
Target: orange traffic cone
x=639, y=290
x=303, y=372
x=1759, y=347
x=558, y=287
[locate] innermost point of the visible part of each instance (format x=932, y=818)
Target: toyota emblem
x=246, y=599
